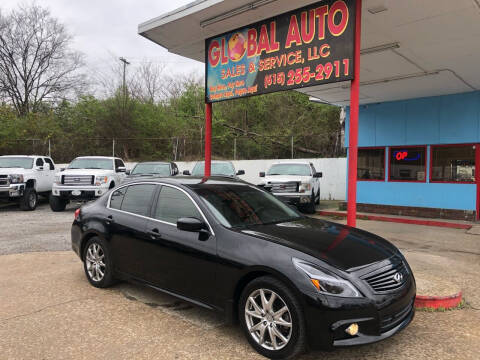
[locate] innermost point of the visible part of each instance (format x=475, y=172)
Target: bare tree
x=148, y=82
x=36, y=62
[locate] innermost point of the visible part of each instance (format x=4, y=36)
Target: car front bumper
x=328, y=317
x=12, y=191
x=294, y=199
x=79, y=193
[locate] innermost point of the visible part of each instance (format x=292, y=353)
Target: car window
x=137, y=199
x=151, y=169
x=52, y=167
x=290, y=169
x=91, y=163
x=119, y=163
x=117, y=198
x=217, y=168
x=174, y=204
x=39, y=162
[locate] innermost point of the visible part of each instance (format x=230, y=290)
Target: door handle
x=155, y=234
x=109, y=219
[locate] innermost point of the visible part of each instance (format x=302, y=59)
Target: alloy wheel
x=268, y=319
x=32, y=200
x=95, y=261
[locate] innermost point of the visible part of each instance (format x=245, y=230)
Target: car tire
x=317, y=199
x=269, y=324
x=29, y=200
x=57, y=204
x=310, y=207
x=97, y=263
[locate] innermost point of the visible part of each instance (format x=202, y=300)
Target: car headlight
x=58, y=179
x=100, y=180
x=304, y=187
x=325, y=281
x=15, y=178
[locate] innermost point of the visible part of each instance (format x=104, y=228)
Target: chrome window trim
x=157, y=220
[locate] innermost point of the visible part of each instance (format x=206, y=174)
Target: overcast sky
x=102, y=28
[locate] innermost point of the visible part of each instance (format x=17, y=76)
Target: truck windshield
x=218, y=168
x=151, y=169
x=290, y=169
x=244, y=205
x=91, y=163
x=16, y=162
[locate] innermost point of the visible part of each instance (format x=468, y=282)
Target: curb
x=436, y=302
x=443, y=224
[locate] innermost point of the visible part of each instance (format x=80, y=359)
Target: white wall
x=332, y=184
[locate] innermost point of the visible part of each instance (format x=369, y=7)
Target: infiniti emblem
x=398, y=277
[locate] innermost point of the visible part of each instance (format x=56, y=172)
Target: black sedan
x=291, y=281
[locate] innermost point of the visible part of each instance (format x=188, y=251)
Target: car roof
x=155, y=162
x=25, y=156
x=291, y=162
x=216, y=162
x=191, y=181
x=96, y=157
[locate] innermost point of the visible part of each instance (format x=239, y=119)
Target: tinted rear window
x=137, y=199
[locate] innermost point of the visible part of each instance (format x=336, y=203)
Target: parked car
x=297, y=183
x=152, y=168
x=86, y=178
x=222, y=168
x=290, y=280
x=23, y=178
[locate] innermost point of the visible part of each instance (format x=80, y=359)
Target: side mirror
x=318, y=175
x=186, y=172
x=62, y=169
x=127, y=172
x=262, y=174
x=121, y=169
x=190, y=224
x=240, y=172
x=39, y=168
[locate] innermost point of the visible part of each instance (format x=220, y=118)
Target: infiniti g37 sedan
x=292, y=282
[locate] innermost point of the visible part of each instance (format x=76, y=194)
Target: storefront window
x=371, y=164
x=453, y=163
x=407, y=164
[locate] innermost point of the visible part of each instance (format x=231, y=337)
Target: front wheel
x=57, y=203
x=272, y=319
x=29, y=200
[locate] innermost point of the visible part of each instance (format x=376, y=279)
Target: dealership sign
x=310, y=46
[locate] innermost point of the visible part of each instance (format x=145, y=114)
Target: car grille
x=288, y=187
x=388, y=278
x=388, y=322
x=3, y=180
x=74, y=180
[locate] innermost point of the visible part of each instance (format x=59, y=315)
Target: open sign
x=403, y=155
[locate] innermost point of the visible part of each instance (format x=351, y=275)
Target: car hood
x=286, y=178
x=9, y=171
x=95, y=172
x=341, y=246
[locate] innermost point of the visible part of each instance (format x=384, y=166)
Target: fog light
x=304, y=199
x=352, y=329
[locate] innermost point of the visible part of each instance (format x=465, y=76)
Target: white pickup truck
x=297, y=183
x=86, y=178
x=23, y=178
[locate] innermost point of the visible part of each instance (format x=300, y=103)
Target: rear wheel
x=57, y=203
x=97, y=263
x=272, y=319
x=29, y=200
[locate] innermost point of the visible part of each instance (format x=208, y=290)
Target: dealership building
x=419, y=117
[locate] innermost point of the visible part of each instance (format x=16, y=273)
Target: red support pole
x=353, y=127
x=208, y=138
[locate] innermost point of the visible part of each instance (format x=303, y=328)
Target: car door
x=180, y=261
x=119, y=176
x=49, y=173
x=126, y=217
x=40, y=175
x=316, y=181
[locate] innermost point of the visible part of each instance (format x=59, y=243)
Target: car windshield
x=91, y=163
x=290, y=169
x=218, y=168
x=151, y=169
x=16, y=162
x=239, y=205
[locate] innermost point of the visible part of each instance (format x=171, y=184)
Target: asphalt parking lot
x=48, y=310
